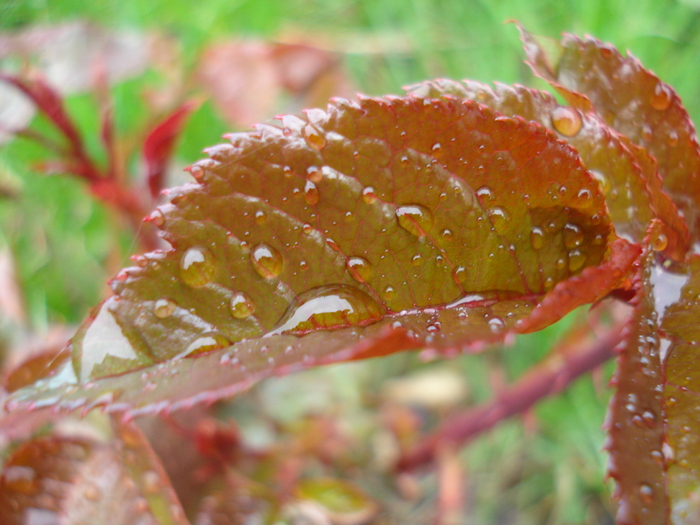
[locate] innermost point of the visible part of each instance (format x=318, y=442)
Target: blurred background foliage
x=58, y=245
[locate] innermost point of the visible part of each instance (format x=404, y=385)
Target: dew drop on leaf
x=447, y=234
x=586, y=200
x=314, y=174
x=328, y=308
x=659, y=244
x=537, y=238
x=459, y=274
x=415, y=219
x=313, y=137
x=437, y=150
x=163, y=308
x=661, y=98
x=368, y=195
x=485, y=195
x=499, y=218
x=207, y=343
x=157, y=218
x=389, y=293
x=566, y=120
x=602, y=179
x=573, y=236
x=416, y=260
x=576, y=260
x=311, y=193
x=260, y=217
x=242, y=306
x=197, y=266
x=359, y=268
x=266, y=260
x=646, y=493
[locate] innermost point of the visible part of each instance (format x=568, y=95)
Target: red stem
x=551, y=376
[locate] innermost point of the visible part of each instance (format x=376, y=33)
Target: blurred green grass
x=62, y=240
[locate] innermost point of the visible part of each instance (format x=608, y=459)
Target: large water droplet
x=163, y=308
x=660, y=242
x=266, y=260
x=566, y=120
x=311, y=193
x=313, y=137
x=573, y=236
x=329, y=307
x=368, y=195
x=242, y=306
x=197, y=266
x=661, y=98
x=359, y=268
x=537, y=238
x=207, y=343
x=415, y=219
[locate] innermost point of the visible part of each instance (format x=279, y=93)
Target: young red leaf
x=371, y=228
x=595, y=77
x=626, y=173
x=158, y=146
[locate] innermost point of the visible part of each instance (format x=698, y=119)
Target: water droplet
x=207, y=343
x=661, y=98
x=649, y=418
x=659, y=244
x=197, y=266
x=311, y=193
x=447, y=234
x=313, y=137
x=496, y=324
x=576, y=260
x=437, y=150
x=163, y=308
x=673, y=138
x=603, y=181
x=585, y=198
x=415, y=219
x=548, y=283
x=368, y=195
x=566, y=120
x=499, y=218
x=329, y=307
x=485, y=195
x=416, y=260
x=260, y=217
x=266, y=260
x=349, y=217
x=459, y=274
x=303, y=266
x=537, y=238
x=573, y=236
x=156, y=218
x=658, y=457
x=389, y=293
x=359, y=268
x=242, y=306
x=561, y=263
x=314, y=174
x=307, y=229
x=646, y=493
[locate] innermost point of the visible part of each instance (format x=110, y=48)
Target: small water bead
x=260, y=217
x=207, y=343
x=437, y=150
x=197, y=266
x=157, y=218
x=548, y=283
x=416, y=260
x=646, y=493
x=266, y=260
x=314, y=174
x=499, y=218
x=576, y=260
x=659, y=244
x=369, y=195
x=311, y=193
x=415, y=219
x=244, y=246
x=242, y=306
x=349, y=217
x=561, y=263
x=447, y=234
x=313, y=137
x=389, y=293
x=673, y=138
x=329, y=307
x=307, y=229
x=496, y=324
x=573, y=236
x=537, y=238
x=141, y=261
x=163, y=308
x=485, y=195
x=459, y=274
x=585, y=198
x=661, y=98
x=566, y=120
x=359, y=268
x=603, y=181
x=303, y=266
x=649, y=418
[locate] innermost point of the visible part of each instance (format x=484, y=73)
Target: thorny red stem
x=549, y=377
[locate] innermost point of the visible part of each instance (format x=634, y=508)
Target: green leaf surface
x=373, y=227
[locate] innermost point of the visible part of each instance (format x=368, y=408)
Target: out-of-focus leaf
x=627, y=175
x=70, y=481
x=371, y=228
x=635, y=419
x=682, y=388
x=159, y=143
x=595, y=77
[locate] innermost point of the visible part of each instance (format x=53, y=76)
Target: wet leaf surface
x=377, y=226
x=595, y=77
